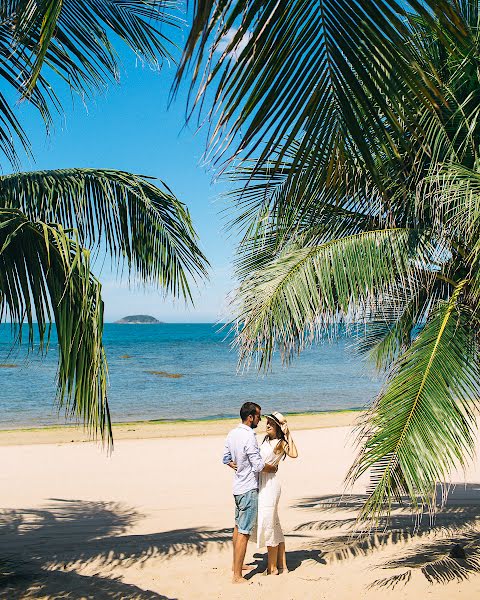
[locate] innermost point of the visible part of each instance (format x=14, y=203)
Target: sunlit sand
x=154, y=519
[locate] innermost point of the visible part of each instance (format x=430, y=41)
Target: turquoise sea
x=330, y=376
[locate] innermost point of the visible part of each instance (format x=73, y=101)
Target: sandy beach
x=153, y=520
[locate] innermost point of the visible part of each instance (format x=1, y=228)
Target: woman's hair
x=282, y=444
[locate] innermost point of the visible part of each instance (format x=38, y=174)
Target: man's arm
x=253, y=452
x=227, y=456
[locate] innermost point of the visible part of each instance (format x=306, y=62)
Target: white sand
x=154, y=521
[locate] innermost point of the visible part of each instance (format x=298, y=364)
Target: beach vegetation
x=351, y=132
x=53, y=222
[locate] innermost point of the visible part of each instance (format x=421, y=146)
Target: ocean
x=329, y=376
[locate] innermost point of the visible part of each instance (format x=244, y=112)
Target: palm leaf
x=422, y=424
x=452, y=195
x=280, y=186
x=12, y=69
x=276, y=202
x=41, y=41
x=141, y=224
x=45, y=276
x=391, y=331
x=321, y=71
x=309, y=288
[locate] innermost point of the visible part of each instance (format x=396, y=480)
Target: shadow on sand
x=456, y=523
x=295, y=559
x=46, y=553
x=41, y=550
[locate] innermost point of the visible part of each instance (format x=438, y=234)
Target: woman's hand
x=232, y=465
x=270, y=468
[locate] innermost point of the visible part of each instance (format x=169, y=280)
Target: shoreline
x=152, y=429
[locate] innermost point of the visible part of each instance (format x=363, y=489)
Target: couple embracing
x=256, y=488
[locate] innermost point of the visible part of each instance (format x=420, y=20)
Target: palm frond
x=309, y=288
x=422, y=424
x=80, y=33
x=392, y=329
x=452, y=195
x=48, y=41
x=321, y=71
x=295, y=196
x=12, y=73
x=275, y=202
x=141, y=224
x=45, y=276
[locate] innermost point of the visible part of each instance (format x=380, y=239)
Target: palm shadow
x=42, y=550
x=435, y=563
x=455, y=523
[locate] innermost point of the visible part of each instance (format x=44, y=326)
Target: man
x=243, y=455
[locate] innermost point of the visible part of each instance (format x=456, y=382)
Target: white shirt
x=241, y=446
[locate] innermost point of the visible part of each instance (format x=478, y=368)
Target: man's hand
x=232, y=465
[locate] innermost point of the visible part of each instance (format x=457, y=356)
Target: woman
x=277, y=445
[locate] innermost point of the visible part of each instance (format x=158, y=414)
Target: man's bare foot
x=239, y=580
x=282, y=570
x=272, y=572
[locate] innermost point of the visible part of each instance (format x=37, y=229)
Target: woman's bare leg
x=282, y=559
x=272, y=560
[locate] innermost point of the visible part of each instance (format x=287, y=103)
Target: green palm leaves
x=45, y=268
x=355, y=132
x=306, y=289
x=44, y=276
x=44, y=42
x=280, y=69
x=140, y=223
x=422, y=425
x=50, y=220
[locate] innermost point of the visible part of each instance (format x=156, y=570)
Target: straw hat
x=288, y=445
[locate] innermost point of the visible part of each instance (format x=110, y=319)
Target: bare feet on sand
x=239, y=580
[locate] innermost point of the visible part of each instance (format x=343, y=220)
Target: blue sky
x=131, y=127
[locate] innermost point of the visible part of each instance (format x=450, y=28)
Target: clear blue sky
x=131, y=128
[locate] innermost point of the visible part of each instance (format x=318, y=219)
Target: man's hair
x=249, y=408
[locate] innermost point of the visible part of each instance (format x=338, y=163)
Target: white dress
x=269, y=531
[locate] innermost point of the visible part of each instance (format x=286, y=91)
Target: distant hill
x=138, y=320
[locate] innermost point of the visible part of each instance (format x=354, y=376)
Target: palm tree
x=49, y=44
x=50, y=221
x=357, y=197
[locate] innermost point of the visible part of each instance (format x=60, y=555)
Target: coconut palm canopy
x=357, y=197
x=50, y=221
x=45, y=44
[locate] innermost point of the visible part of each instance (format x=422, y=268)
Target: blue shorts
x=246, y=506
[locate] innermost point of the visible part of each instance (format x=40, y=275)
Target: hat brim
x=274, y=418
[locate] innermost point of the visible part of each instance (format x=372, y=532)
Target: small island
x=139, y=320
